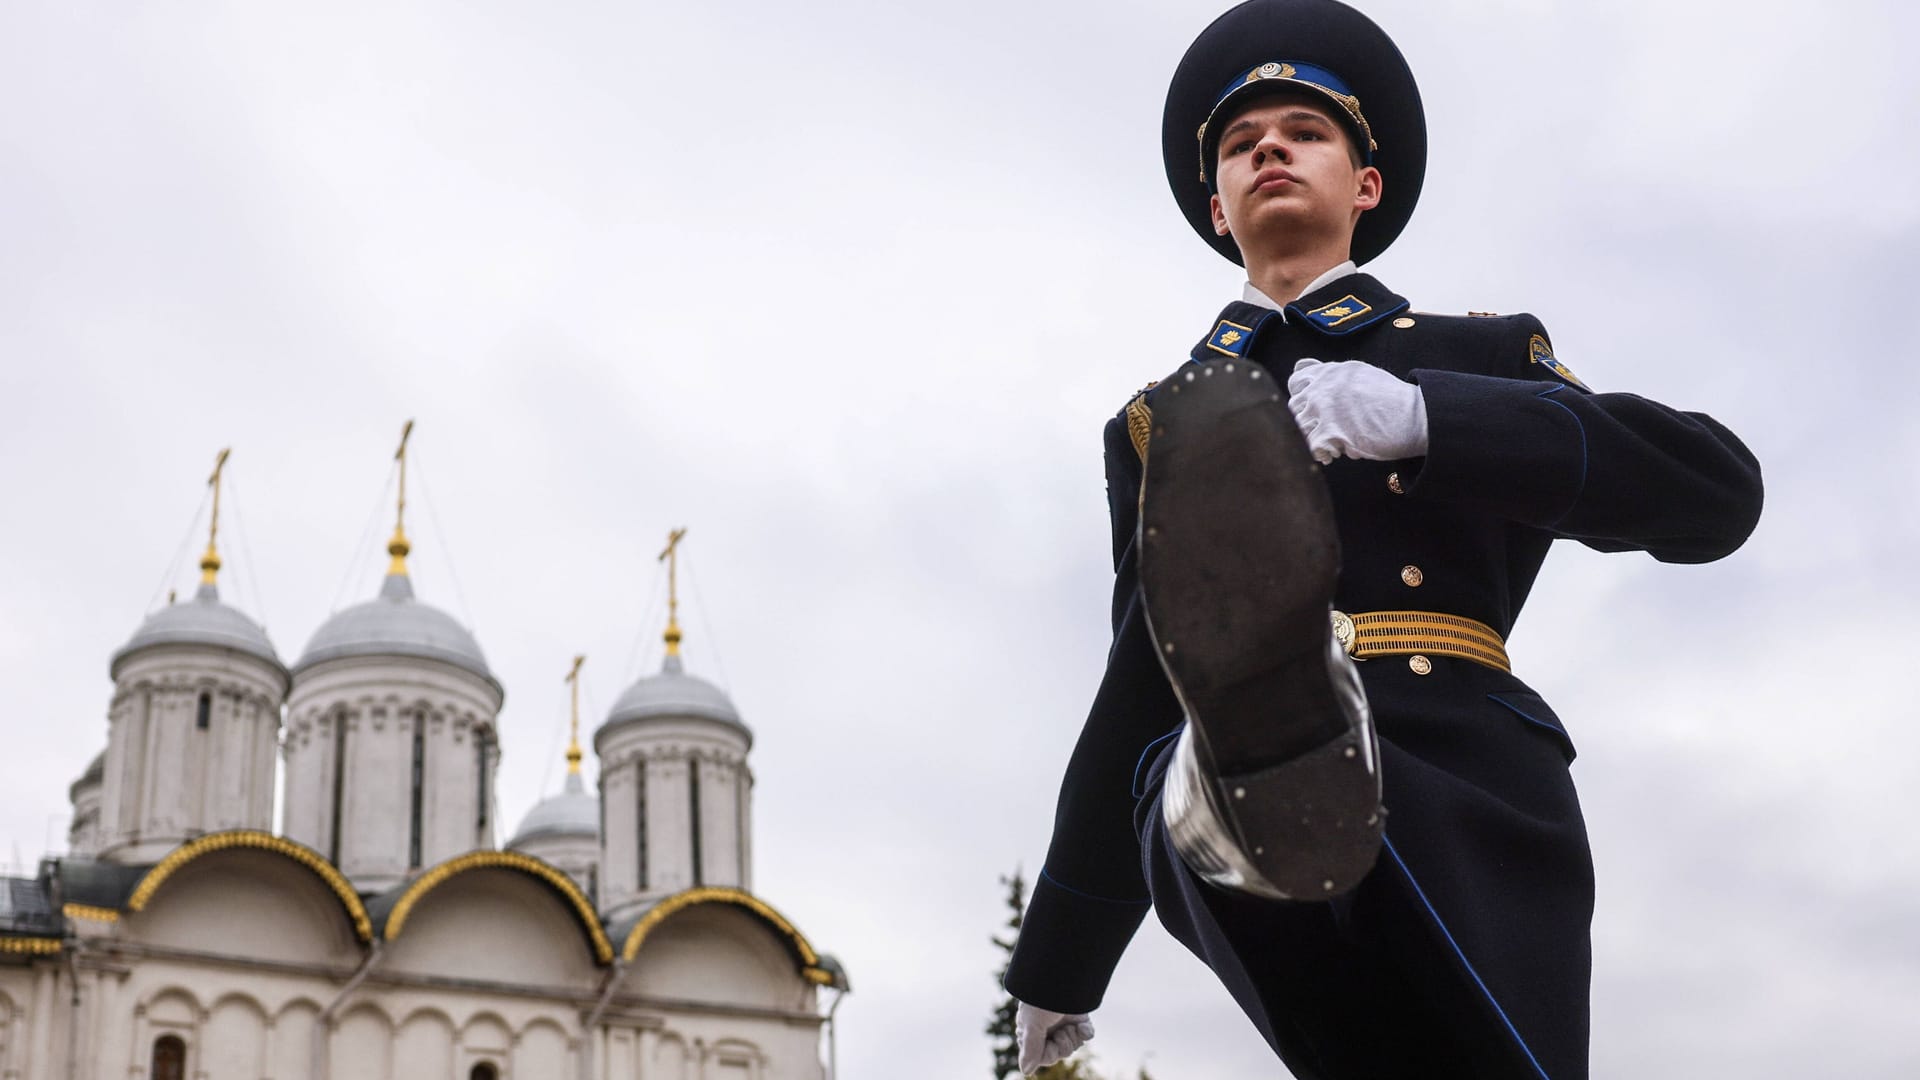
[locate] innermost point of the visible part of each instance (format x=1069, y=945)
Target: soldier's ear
x=1367, y=196
x=1219, y=215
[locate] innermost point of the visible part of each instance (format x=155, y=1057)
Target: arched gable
x=538, y=869
x=806, y=960
x=253, y=839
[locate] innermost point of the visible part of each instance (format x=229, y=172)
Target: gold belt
x=1398, y=633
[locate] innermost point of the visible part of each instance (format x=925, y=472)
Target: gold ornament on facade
x=810, y=968
x=261, y=841
x=89, y=913
x=507, y=860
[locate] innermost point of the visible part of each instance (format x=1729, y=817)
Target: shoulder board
x=1140, y=420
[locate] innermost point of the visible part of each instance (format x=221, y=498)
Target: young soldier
x=1309, y=754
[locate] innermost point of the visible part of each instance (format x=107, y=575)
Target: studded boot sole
x=1275, y=787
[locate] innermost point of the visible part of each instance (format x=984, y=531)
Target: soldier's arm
x=1091, y=896
x=1615, y=471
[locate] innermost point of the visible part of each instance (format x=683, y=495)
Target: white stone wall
x=380, y=702
x=243, y=955
x=167, y=779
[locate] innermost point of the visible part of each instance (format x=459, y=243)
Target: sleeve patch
x=1539, y=352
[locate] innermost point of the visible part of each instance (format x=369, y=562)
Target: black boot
x=1275, y=784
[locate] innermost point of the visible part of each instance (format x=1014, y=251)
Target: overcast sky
x=849, y=290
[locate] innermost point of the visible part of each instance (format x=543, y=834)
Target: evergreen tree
x=1006, y=1052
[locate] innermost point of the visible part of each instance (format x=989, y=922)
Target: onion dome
x=673, y=692
x=203, y=620
x=395, y=624
x=573, y=812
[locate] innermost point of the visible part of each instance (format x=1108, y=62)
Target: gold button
x=1393, y=484
x=1403, y=322
x=1412, y=576
x=1420, y=665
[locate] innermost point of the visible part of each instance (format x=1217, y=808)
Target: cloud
x=850, y=291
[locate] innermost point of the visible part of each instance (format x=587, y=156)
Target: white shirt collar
x=1254, y=296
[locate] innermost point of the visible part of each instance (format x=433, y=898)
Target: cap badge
x=1271, y=70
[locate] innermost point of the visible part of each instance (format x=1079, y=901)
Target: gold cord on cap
x=398, y=546
x=573, y=729
x=671, y=556
x=210, y=562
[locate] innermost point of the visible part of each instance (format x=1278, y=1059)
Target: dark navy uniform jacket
x=1482, y=818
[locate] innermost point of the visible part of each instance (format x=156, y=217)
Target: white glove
x=1046, y=1037
x=1358, y=410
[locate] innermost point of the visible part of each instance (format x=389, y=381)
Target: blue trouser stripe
x=1468, y=964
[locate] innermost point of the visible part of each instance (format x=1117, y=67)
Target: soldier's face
x=1287, y=169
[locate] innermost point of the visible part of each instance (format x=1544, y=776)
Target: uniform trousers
x=1364, y=987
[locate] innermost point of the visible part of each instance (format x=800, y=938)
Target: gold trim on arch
x=90, y=913
x=810, y=968
x=30, y=946
x=259, y=841
x=506, y=860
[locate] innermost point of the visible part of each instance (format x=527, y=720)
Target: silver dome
x=573, y=812
x=395, y=624
x=674, y=693
x=203, y=620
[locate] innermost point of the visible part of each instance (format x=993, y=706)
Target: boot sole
x=1239, y=557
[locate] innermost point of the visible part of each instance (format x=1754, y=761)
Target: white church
x=381, y=933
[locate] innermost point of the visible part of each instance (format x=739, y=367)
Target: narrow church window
x=484, y=1071
x=205, y=713
x=640, y=816
x=339, y=784
x=169, y=1058
x=693, y=797
x=485, y=796
x=419, y=771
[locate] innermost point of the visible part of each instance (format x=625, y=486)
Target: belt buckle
x=1343, y=632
